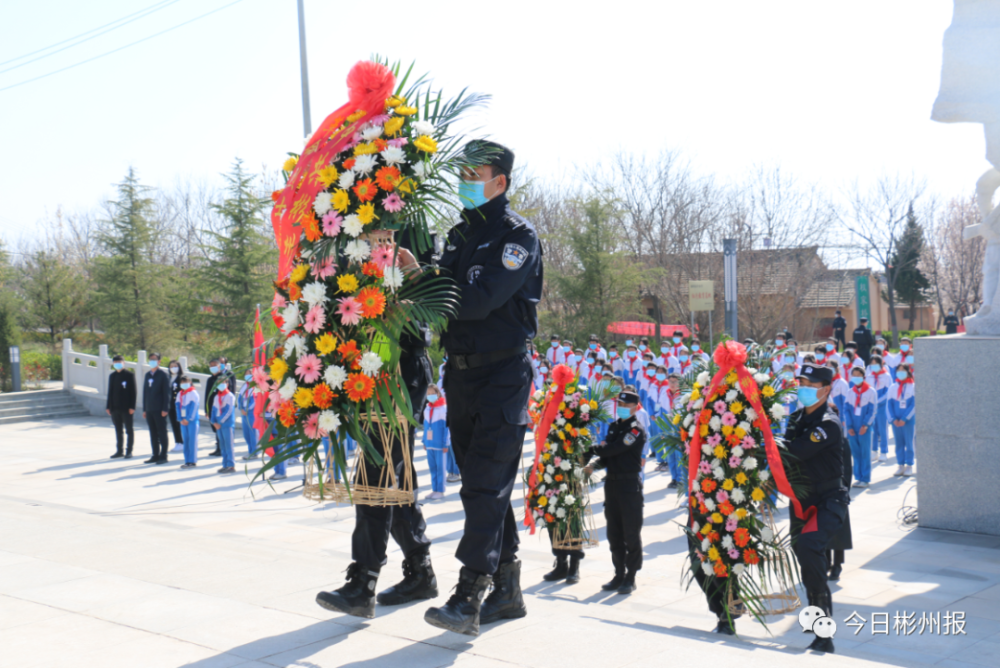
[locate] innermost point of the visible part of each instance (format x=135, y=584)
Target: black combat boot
x=357, y=597
x=820, y=644
x=505, y=601
x=628, y=583
x=557, y=573
x=418, y=582
x=461, y=613
x=618, y=560
x=573, y=574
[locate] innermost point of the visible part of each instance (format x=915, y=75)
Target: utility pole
x=306, y=120
x=729, y=267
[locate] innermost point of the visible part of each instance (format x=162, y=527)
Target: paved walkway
x=115, y=563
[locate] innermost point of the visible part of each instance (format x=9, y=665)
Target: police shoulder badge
x=474, y=272
x=629, y=439
x=514, y=256
x=817, y=435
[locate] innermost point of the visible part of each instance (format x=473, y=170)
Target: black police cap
x=484, y=152
x=817, y=373
x=628, y=397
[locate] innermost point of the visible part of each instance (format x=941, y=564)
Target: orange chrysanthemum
x=349, y=163
x=750, y=557
x=294, y=292
x=549, y=518
x=372, y=302
x=708, y=485
x=349, y=350
x=388, y=178
x=311, y=227
x=726, y=508
x=741, y=537
x=371, y=269
x=713, y=536
x=365, y=190
x=359, y=387
x=286, y=414
x=322, y=396
x=381, y=144
x=720, y=569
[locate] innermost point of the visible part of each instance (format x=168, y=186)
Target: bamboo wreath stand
x=780, y=595
x=578, y=532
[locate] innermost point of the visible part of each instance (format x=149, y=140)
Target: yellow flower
x=740, y=432
x=713, y=553
x=731, y=378
x=425, y=144
x=395, y=101
x=741, y=478
x=706, y=529
x=719, y=452
x=393, y=125
x=405, y=187
x=347, y=283
x=727, y=485
x=366, y=213
x=695, y=395
x=403, y=110
x=561, y=435
x=546, y=457
x=562, y=406
x=304, y=397
x=341, y=200
x=543, y=501
x=726, y=430
x=278, y=369
x=696, y=386
x=593, y=405
x=326, y=344
x=703, y=430
x=757, y=494
x=736, y=407
x=299, y=273
x=583, y=432
x=677, y=419
x=365, y=149
x=767, y=391
x=717, y=518
x=356, y=116
x=290, y=164
x=741, y=512
x=328, y=175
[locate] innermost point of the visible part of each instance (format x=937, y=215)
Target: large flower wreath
x=382, y=165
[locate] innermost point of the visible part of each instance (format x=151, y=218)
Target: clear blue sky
x=831, y=92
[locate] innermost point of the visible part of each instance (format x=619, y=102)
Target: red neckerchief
x=908, y=381
x=858, y=391
x=183, y=392
x=221, y=394
x=876, y=374
x=684, y=365
x=437, y=403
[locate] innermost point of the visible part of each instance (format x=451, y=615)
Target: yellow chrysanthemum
x=677, y=419
x=728, y=484
x=328, y=175
x=736, y=407
x=341, y=200
x=741, y=478
x=561, y=435
x=546, y=457
x=593, y=405
x=757, y=494
x=366, y=213
x=767, y=391
x=719, y=452
x=713, y=553
x=543, y=501
x=741, y=512
x=395, y=101
x=726, y=430
x=703, y=430
x=717, y=518
x=304, y=397
x=326, y=344
x=290, y=164
x=695, y=395
x=403, y=110
x=706, y=529
x=356, y=116
x=365, y=149
x=425, y=144
x=299, y=273
x=696, y=386
x=583, y=432
x=347, y=283
x=393, y=125
x=740, y=432
x=278, y=369
x=562, y=406
x=731, y=378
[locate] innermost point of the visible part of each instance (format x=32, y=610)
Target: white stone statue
x=970, y=93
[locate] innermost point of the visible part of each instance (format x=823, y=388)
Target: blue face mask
x=661, y=377
x=829, y=347
x=628, y=342
x=695, y=346
x=664, y=349
x=624, y=413
x=642, y=347
x=788, y=375
x=213, y=369
x=904, y=347
x=248, y=377
x=471, y=193
x=185, y=386
x=566, y=349
x=154, y=363
x=593, y=346
x=677, y=339
x=874, y=368
x=632, y=354
x=683, y=358
x=902, y=375
x=808, y=396
x=613, y=354
x=857, y=380
x=119, y=366
x=909, y=359
x=845, y=360
x=577, y=358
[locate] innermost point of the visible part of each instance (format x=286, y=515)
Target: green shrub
x=37, y=366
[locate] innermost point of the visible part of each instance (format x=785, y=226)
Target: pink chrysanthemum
x=704, y=467
x=700, y=497
x=399, y=142
x=734, y=553
x=308, y=368
x=393, y=203
x=383, y=256
x=714, y=439
x=722, y=496
x=732, y=522
x=349, y=311
x=719, y=407
x=260, y=377
x=273, y=401
x=331, y=223
x=324, y=268
x=311, y=426
x=748, y=443
x=315, y=319
x=278, y=302
x=729, y=419
x=379, y=120
x=734, y=462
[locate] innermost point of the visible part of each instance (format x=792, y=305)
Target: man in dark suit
x=840, y=330
x=155, y=408
x=121, y=406
x=863, y=337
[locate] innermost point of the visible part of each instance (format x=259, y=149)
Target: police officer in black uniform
x=814, y=438
x=863, y=337
x=621, y=454
x=840, y=330
x=495, y=257
x=951, y=322
x=374, y=524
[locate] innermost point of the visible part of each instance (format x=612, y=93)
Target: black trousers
x=811, y=548
x=487, y=413
x=841, y=340
x=563, y=554
x=623, y=503
x=122, y=420
x=175, y=425
x=157, y=434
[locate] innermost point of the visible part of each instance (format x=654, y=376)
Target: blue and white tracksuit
x=839, y=390
x=436, y=442
x=881, y=383
x=187, y=409
x=224, y=415
x=860, y=406
x=246, y=400
x=902, y=406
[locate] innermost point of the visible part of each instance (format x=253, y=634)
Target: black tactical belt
x=622, y=476
x=465, y=362
x=836, y=483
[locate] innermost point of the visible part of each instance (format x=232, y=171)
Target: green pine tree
x=10, y=335
x=55, y=295
x=132, y=291
x=911, y=284
x=240, y=266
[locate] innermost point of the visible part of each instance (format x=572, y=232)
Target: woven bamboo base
x=781, y=596
x=564, y=539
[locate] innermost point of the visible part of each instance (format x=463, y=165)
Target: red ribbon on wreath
x=562, y=376
x=732, y=356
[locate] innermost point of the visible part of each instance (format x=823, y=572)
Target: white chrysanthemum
x=392, y=278
x=364, y=164
x=329, y=421
x=727, y=542
x=766, y=534
x=295, y=345
x=737, y=495
x=745, y=426
x=541, y=489
x=778, y=411
x=765, y=475
x=688, y=419
x=372, y=132
x=703, y=379
x=547, y=478
x=706, y=568
x=697, y=406
x=718, y=473
x=738, y=451
x=357, y=250
x=578, y=472
x=750, y=414
x=550, y=469
x=706, y=448
x=710, y=504
x=560, y=422
x=287, y=391
x=584, y=409
x=335, y=376
x=738, y=569
x=423, y=128
x=421, y=170
x=291, y=317
x=565, y=465
x=750, y=463
x=539, y=395
x=394, y=155
x=314, y=293
x=322, y=204
x=761, y=378
x=346, y=180
x=715, y=424
x=715, y=463
x=560, y=513
x=370, y=363
x=731, y=395
x=563, y=488
x=353, y=226
x=570, y=500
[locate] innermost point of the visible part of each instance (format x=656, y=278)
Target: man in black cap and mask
x=863, y=337
x=840, y=330
x=814, y=439
x=495, y=257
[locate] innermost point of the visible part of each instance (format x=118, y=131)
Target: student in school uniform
x=698, y=352
x=878, y=378
x=902, y=409
x=787, y=380
x=829, y=351
x=246, y=401
x=643, y=345
x=668, y=398
x=187, y=417
x=567, y=352
x=554, y=355
x=839, y=388
x=665, y=355
x=632, y=365
x=682, y=360
x=615, y=360
x=436, y=441
x=595, y=345
x=893, y=360
x=655, y=387
x=224, y=420
x=847, y=360
x=857, y=418
x=175, y=388
x=676, y=342
x=646, y=379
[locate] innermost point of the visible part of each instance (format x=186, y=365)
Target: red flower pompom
x=369, y=84
x=562, y=375
x=730, y=354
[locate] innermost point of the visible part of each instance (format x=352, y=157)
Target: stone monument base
x=957, y=442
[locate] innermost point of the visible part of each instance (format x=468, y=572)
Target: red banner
x=636, y=328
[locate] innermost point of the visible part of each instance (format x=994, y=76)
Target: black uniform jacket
x=816, y=440
x=622, y=451
x=156, y=392
x=121, y=391
x=495, y=257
